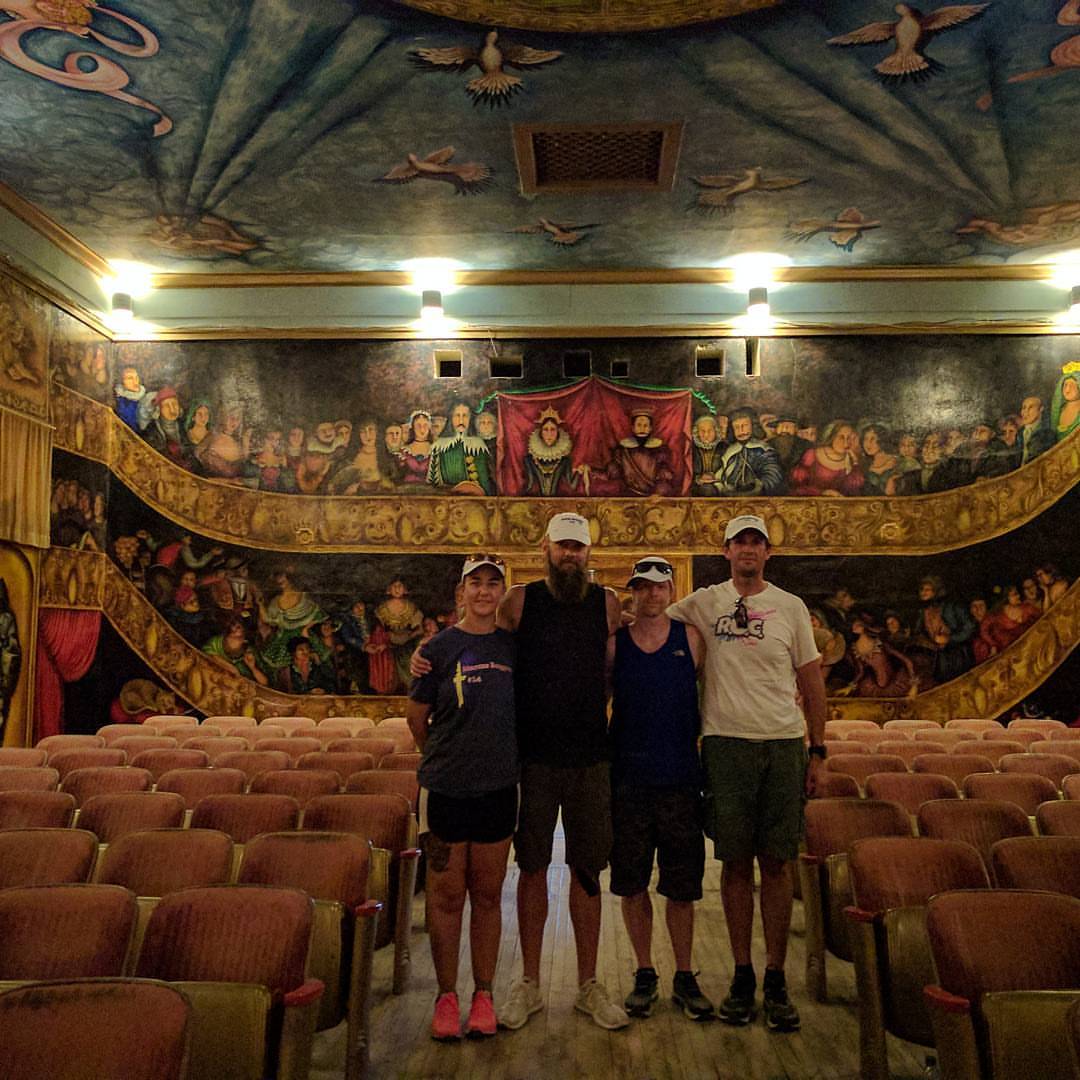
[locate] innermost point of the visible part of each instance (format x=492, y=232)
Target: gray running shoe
x=738, y=1007
x=780, y=1014
x=523, y=1000
x=686, y=993
x=640, y=1000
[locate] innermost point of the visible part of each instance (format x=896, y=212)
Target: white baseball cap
x=569, y=527
x=474, y=562
x=745, y=521
x=652, y=568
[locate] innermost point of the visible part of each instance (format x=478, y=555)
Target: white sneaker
x=524, y=1000
x=593, y=999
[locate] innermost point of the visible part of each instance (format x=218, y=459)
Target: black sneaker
x=738, y=1007
x=780, y=1014
x=640, y=1001
x=686, y=993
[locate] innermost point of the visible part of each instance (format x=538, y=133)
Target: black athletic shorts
x=477, y=819
x=662, y=822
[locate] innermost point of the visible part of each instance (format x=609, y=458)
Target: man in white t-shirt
x=759, y=656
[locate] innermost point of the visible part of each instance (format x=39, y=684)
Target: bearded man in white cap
x=562, y=624
x=759, y=652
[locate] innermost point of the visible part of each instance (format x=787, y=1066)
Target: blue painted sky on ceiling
x=254, y=135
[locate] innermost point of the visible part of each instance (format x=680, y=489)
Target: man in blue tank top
x=656, y=805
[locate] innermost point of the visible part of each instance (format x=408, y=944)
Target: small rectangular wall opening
x=753, y=357
x=447, y=363
x=506, y=366
x=709, y=361
x=577, y=363
x=620, y=369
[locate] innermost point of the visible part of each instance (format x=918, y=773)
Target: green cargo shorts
x=754, y=796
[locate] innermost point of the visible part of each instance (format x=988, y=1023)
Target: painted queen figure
x=549, y=469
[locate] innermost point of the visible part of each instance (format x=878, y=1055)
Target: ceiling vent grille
x=597, y=157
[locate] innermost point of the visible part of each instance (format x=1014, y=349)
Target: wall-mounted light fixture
x=757, y=308
x=123, y=310
x=431, y=308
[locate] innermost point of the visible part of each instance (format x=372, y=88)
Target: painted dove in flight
x=563, y=235
x=493, y=83
x=724, y=188
x=908, y=34
x=844, y=232
x=469, y=178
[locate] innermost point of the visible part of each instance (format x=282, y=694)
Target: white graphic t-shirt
x=754, y=644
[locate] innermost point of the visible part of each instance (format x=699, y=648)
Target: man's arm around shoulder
x=510, y=608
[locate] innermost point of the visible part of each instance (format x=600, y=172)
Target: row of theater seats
x=867, y=887
x=354, y=855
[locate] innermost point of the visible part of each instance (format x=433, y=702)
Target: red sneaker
x=446, y=1023
x=482, y=1022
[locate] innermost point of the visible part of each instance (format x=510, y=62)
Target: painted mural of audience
x=76, y=516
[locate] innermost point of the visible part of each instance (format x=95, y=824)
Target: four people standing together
x=541, y=660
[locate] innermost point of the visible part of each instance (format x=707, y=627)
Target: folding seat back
x=1053, y=766
x=36, y=809
x=111, y=732
x=910, y=790
x=978, y=726
x=374, y=744
x=253, y=762
x=943, y=737
x=332, y=868
x=844, y=746
x=224, y=722
x=256, y=736
x=83, y=784
x=910, y=726
x=874, y=739
x=400, y=782
x=156, y=723
x=295, y=746
x=159, y=762
x=178, y=730
x=216, y=745
x=195, y=784
x=996, y=749
x=109, y=817
x=1069, y=748
x=46, y=856
x=156, y=862
x=1070, y=734
x=71, y=931
x=388, y=722
x=408, y=762
x=301, y=784
x=835, y=785
x=1026, y=790
x=28, y=778
x=137, y=1030
x=1059, y=818
x=840, y=729
x=53, y=744
x=860, y=766
x=1050, y=863
x=291, y=724
x=388, y=823
x=351, y=723
x=343, y=762
x=242, y=817
x=1048, y=727
x=23, y=756
x=956, y=764
x=1008, y=966
x=909, y=750
x=892, y=879
x=1070, y=786
x=134, y=744
x=832, y=826
x=88, y=757
x=239, y=954
x=978, y=822
x=1027, y=738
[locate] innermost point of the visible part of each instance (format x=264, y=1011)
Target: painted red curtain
x=66, y=644
x=596, y=415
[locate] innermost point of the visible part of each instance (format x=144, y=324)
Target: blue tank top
x=655, y=722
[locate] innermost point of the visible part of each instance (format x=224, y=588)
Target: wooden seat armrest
x=810, y=860
x=410, y=853
x=938, y=998
x=857, y=914
x=310, y=991
x=367, y=909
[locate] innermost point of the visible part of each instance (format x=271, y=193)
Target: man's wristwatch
x=817, y=750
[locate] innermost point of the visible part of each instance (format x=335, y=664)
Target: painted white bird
x=563, y=235
x=494, y=84
x=844, y=231
x=469, y=177
x=908, y=34
x=724, y=188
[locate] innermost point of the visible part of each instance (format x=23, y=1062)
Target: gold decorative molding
x=85, y=580
x=993, y=687
x=913, y=525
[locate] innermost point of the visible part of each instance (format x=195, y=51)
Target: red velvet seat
x=1053, y=766
x=1026, y=790
x=242, y=817
x=134, y=744
x=408, y=762
x=156, y=862
x=46, y=856
x=53, y=744
x=860, y=766
x=111, y=816
x=1050, y=863
x=342, y=762
x=158, y=762
x=83, y=784
x=978, y=822
x=296, y=746
x=389, y=782
x=1056, y=818
x=89, y=757
x=195, y=784
x=36, y=809
x=253, y=762
x=301, y=784
x=23, y=756
x=955, y=765
x=910, y=790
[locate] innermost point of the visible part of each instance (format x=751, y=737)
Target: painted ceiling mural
x=286, y=135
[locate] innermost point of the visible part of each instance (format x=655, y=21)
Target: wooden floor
x=562, y=1043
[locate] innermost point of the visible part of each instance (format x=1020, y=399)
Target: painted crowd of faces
x=738, y=453
x=77, y=515
x=899, y=652
x=276, y=632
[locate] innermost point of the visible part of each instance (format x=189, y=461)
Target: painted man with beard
x=749, y=465
x=459, y=460
x=788, y=443
x=562, y=624
x=640, y=461
x=707, y=450
x=164, y=432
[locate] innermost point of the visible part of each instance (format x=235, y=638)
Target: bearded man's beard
x=568, y=583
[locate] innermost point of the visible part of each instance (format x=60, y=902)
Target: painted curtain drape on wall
x=66, y=645
x=25, y=463
x=596, y=416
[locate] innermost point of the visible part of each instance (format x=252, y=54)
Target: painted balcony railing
x=216, y=509
x=88, y=580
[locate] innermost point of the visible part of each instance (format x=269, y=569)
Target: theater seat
x=1053, y=766
x=36, y=809
x=860, y=766
x=23, y=756
x=910, y=790
x=978, y=822
x=46, y=856
x=395, y=782
x=344, y=763
x=102, y=1028
x=1051, y=863
x=956, y=764
x=1008, y=965
x=303, y=785
x=109, y=817
x=1056, y=818
x=1027, y=791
